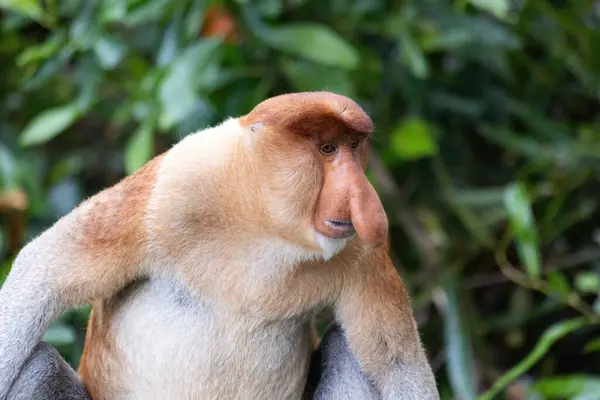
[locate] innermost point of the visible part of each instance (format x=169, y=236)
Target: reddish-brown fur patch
x=105, y=235
x=308, y=113
x=375, y=311
x=98, y=349
x=114, y=236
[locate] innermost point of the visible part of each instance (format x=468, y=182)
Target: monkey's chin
x=331, y=247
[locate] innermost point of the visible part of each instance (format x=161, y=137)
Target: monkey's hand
x=375, y=313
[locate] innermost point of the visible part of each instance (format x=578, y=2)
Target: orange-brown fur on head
x=313, y=146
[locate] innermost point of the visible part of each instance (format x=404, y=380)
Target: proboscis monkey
x=205, y=267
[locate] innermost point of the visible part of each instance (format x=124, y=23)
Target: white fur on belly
x=178, y=348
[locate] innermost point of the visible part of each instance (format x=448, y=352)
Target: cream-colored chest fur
x=173, y=346
x=227, y=330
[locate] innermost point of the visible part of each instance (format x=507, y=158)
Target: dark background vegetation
x=487, y=149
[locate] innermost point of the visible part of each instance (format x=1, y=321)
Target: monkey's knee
x=47, y=376
x=335, y=372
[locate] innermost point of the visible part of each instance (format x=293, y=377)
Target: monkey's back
x=159, y=342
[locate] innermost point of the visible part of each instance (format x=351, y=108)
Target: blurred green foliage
x=486, y=152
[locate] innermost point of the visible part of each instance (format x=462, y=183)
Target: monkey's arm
x=376, y=315
x=89, y=254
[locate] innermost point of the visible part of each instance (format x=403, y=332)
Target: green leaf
x=85, y=30
x=109, y=51
x=8, y=169
x=413, y=139
x=112, y=10
x=177, y=92
x=146, y=12
x=49, y=69
x=31, y=8
x=194, y=19
x=89, y=78
x=199, y=118
x=270, y=8
x=479, y=197
x=560, y=387
x=469, y=107
x=4, y=270
x=314, y=42
x=459, y=351
x=550, y=336
x=590, y=393
x=48, y=124
x=59, y=334
x=538, y=123
x=559, y=283
x=452, y=38
x=592, y=346
x=306, y=76
x=514, y=142
x=170, y=43
x=587, y=282
x=596, y=305
x=412, y=56
x=139, y=148
x=494, y=34
x=518, y=206
x=42, y=51
x=498, y=8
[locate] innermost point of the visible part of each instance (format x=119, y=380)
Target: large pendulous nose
x=348, y=204
x=367, y=212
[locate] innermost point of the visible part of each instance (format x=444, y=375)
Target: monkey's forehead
x=310, y=113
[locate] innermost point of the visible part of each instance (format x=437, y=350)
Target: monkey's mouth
x=344, y=228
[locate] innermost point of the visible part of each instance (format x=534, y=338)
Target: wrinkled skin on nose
x=348, y=196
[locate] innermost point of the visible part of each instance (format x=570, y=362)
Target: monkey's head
x=311, y=149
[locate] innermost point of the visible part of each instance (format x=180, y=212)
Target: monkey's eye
x=355, y=144
x=328, y=149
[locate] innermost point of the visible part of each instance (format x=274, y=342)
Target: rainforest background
x=486, y=151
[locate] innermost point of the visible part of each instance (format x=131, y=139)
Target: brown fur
x=107, y=237
x=113, y=230
x=328, y=115
x=376, y=312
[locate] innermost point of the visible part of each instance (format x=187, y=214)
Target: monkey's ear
x=256, y=127
x=251, y=131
